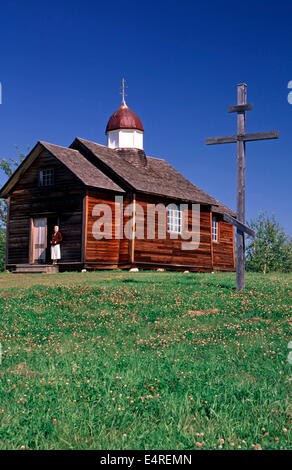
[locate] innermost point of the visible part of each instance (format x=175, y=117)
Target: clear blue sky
x=62, y=62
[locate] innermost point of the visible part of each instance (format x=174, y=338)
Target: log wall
x=105, y=251
x=29, y=200
x=223, y=250
x=169, y=251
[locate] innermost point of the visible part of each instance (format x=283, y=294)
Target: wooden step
x=36, y=268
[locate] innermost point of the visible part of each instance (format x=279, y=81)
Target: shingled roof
x=85, y=171
x=155, y=177
x=88, y=173
x=222, y=209
x=128, y=168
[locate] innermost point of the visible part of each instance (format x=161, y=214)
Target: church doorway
x=42, y=231
x=51, y=222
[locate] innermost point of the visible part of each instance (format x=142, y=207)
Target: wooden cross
x=123, y=88
x=240, y=138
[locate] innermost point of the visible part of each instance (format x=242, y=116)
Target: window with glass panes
x=174, y=218
x=47, y=177
x=214, y=228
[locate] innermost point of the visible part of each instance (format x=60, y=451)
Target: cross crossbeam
x=239, y=225
x=232, y=139
x=123, y=92
x=239, y=108
x=240, y=139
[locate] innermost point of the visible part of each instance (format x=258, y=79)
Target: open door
x=51, y=222
x=39, y=240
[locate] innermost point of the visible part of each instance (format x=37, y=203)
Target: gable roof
x=222, y=209
x=156, y=177
x=85, y=171
x=131, y=169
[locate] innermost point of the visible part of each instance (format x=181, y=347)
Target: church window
x=46, y=177
x=214, y=228
x=174, y=218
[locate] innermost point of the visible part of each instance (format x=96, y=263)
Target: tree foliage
x=7, y=167
x=271, y=249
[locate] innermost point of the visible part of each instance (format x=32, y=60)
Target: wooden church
x=61, y=186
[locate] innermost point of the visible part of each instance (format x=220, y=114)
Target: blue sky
x=61, y=63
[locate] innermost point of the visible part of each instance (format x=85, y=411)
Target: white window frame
x=174, y=218
x=47, y=177
x=215, y=229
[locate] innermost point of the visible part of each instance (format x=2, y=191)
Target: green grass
x=113, y=360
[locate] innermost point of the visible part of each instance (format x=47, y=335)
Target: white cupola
x=124, y=129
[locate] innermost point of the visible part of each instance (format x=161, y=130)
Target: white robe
x=55, y=252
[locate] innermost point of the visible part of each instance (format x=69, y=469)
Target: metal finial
x=123, y=88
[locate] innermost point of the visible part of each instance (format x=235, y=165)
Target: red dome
x=124, y=118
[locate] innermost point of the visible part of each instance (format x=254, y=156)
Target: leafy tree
x=6, y=170
x=271, y=249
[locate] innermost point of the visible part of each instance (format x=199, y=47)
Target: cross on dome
x=124, y=128
x=123, y=88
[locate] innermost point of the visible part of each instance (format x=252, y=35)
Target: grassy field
x=118, y=360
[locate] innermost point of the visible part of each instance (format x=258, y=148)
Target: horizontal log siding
x=63, y=200
x=168, y=251
x=124, y=256
x=103, y=251
x=223, y=250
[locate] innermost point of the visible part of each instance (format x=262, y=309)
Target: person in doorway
x=55, y=245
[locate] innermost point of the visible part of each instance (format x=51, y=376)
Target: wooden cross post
x=240, y=140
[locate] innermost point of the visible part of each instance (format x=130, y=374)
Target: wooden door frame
x=32, y=235
x=7, y=232
x=31, y=239
x=46, y=215
x=51, y=216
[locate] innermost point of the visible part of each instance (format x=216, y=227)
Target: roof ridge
x=42, y=142
x=156, y=158
x=160, y=175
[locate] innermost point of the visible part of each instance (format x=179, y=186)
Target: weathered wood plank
x=242, y=227
x=229, y=139
x=232, y=139
x=239, y=108
x=258, y=136
x=240, y=245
